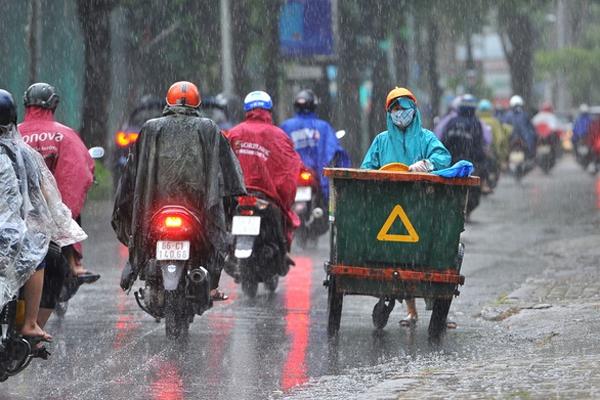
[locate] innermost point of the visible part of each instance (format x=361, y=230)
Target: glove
x=420, y=166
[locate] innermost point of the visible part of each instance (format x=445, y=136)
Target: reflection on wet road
x=297, y=319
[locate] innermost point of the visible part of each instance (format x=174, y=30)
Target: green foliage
x=578, y=64
x=102, y=187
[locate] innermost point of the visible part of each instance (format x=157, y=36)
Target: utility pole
x=563, y=95
x=226, y=47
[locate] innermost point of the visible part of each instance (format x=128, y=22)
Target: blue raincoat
x=314, y=139
x=581, y=127
x=409, y=146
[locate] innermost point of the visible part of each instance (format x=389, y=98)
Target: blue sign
x=305, y=28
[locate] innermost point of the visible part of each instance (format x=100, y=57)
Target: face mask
x=402, y=118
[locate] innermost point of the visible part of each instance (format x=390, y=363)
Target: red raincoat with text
x=268, y=160
x=65, y=155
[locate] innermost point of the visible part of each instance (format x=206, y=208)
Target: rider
x=523, y=130
x=500, y=132
x=547, y=124
x=31, y=215
x=463, y=137
x=581, y=126
x=314, y=139
x=406, y=141
x=267, y=156
x=184, y=157
x=73, y=168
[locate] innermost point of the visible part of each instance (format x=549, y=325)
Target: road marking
x=385, y=236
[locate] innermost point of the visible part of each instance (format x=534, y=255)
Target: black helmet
x=41, y=95
x=8, y=110
x=306, y=101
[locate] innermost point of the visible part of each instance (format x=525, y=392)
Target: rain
x=300, y=199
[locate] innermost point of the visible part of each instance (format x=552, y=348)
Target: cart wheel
x=381, y=312
x=437, y=323
x=334, y=308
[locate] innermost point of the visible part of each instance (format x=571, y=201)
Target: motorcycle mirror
x=340, y=134
x=96, y=152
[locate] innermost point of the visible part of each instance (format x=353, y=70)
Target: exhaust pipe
x=198, y=275
x=317, y=213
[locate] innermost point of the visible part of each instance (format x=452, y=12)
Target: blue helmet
x=8, y=110
x=485, y=105
x=258, y=99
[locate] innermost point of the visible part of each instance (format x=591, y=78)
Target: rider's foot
x=409, y=320
x=217, y=295
x=33, y=331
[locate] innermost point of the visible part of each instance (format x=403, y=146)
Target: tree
x=94, y=18
x=518, y=35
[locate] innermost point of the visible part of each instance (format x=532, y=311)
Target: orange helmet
x=183, y=94
x=398, y=92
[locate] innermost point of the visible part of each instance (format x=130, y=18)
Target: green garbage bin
x=395, y=235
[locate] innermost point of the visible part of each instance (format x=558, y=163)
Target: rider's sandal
x=34, y=340
x=409, y=320
x=451, y=325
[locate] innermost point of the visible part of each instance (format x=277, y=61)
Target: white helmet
x=584, y=108
x=258, y=99
x=516, y=101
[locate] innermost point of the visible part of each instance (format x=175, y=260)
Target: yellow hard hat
x=398, y=92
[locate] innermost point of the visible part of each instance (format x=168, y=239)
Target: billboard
x=306, y=28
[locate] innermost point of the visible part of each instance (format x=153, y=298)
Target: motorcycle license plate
x=303, y=193
x=583, y=150
x=516, y=157
x=172, y=250
x=245, y=226
x=544, y=149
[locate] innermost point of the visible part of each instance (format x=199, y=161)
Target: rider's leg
x=33, y=293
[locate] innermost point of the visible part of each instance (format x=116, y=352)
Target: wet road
x=276, y=346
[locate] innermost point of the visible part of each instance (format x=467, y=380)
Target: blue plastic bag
x=461, y=169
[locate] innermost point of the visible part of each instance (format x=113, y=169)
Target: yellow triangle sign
x=385, y=236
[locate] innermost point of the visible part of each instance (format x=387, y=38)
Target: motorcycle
x=16, y=352
x=546, y=152
x=71, y=283
x=177, y=283
x=309, y=205
x=518, y=163
x=260, y=248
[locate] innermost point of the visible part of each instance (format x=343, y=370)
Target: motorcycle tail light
x=173, y=221
x=125, y=139
x=247, y=212
x=247, y=201
x=305, y=178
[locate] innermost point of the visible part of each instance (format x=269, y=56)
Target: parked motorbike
x=310, y=205
x=260, y=249
x=16, y=352
x=177, y=282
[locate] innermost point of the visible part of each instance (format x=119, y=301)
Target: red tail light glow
x=125, y=139
x=173, y=221
x=306, y=178
x=247, y=201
